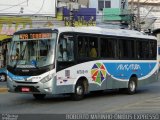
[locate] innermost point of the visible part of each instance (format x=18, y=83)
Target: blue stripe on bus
x=125, y=70
x=15, y=77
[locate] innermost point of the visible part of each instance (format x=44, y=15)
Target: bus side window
x=93, y=47
x=87, y=47
x=62, y=51
x=70, y=49
x=108, y=48
x=93, y=51
x=152, y=52
x=65, y=49
x=82, y=46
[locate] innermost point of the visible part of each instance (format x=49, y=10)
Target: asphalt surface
x=146, y=100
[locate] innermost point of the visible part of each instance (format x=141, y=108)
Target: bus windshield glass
x=32, y=51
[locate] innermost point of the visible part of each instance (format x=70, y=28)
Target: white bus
x=78, y=60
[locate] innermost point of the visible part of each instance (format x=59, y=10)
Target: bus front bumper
x=30, y=87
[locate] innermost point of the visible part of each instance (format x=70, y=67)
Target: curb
x=3, y=89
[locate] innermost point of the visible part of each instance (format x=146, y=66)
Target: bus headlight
x=46, y=79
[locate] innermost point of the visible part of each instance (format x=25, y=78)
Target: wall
x=114, y=3
x=83, y=2
x=28, y=7
x=8, y=25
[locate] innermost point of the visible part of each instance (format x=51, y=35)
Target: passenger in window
x=93, y=52
x=80, y=49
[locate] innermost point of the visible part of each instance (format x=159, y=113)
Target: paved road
x=3, y=84
x=147, y=100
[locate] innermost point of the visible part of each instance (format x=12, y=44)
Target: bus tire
x=79, y=91
x=132, y=86
x=3, y=77
x=39, y=96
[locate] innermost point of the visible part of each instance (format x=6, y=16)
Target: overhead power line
x=13, y=6
x=40, y=8
x=26, y=1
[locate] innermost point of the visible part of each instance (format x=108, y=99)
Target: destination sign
x=35, y=36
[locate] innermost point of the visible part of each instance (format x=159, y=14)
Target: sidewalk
x=3, y=87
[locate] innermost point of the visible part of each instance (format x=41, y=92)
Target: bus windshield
x=32, y=53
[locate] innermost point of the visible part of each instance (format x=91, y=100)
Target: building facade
x=149, y=13
x=111, y=13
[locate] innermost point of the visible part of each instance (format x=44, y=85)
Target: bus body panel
x=100, y=75
x=117, y=74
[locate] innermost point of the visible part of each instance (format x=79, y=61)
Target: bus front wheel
x=39, y=96
x=132, y=86
x=79, y=91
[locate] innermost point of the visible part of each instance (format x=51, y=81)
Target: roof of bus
x=105, y=31
x=94, y=30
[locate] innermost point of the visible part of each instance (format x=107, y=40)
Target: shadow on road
x=92, y=95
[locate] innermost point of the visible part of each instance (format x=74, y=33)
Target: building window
x=123, y=4
x=103, y=4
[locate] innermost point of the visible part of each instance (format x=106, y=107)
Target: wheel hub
x=132, y=86
x=2, y=78
x=79, y=90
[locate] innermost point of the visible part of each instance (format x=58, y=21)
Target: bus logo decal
x=128, y=67
x=98, y=73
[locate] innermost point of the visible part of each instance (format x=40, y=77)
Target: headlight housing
x=46, y=79
x=9, y=79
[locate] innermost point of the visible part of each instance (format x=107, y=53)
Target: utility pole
x=72, y=12
x=72, y=18
x=132, y=13
x=138, y=16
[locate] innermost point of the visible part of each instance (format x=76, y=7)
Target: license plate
x=25, y=89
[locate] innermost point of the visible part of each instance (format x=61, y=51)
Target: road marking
x=3, y=90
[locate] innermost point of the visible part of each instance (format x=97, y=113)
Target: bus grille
x=26, y=82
